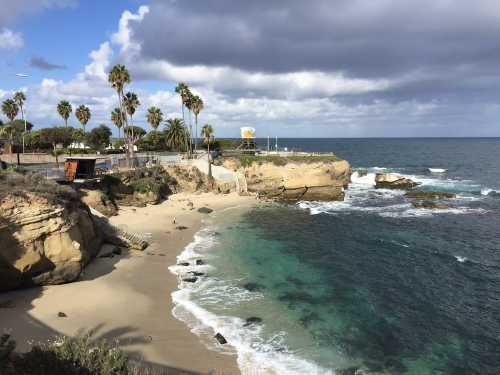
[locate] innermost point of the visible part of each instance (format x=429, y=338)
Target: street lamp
x=22, y=75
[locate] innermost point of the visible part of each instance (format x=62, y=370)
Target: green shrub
x=248, y=160
x=66, y=356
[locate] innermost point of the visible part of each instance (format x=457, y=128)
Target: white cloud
x=10, y=39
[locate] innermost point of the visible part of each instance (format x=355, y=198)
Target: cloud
x=40, y=63
x=378, y=93
x=12, y=9
x=10, y=39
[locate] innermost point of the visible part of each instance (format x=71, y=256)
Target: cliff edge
x=46, y=237
x=301, y=178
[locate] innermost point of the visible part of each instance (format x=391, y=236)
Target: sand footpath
x=128, y=297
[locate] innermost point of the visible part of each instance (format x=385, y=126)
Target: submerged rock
x=190, y=279
x=393, y=181
x=205, y=210
x=185, y=264
x=430, y=195
x=221, y=339
x=430, y=204
x=199, y=262
x=252, y=320
x=253, y=287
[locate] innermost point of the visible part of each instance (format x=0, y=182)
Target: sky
x=316, y=68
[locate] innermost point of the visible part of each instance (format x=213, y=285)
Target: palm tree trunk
x=127, y=154
x=209, y=163
x=196, y=133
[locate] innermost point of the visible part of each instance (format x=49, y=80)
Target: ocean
x=369, y=284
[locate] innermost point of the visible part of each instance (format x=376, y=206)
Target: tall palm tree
x=176, y=134
x=130, y=103
x=118, y=118
x=20, y=98
x=197, y=107
x=181, y=89
x=155, y=117
x=64, y=109
x=119, y=77
x=207, y=133
x=83, y=115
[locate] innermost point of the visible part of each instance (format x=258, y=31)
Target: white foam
x=255, y=354
x=487, y=191
x=437, y=170
x=460, y=259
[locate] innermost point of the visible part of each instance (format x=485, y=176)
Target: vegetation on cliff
x=81, y=355
x=247, y=160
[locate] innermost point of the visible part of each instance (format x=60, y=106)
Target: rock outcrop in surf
x=393, y=181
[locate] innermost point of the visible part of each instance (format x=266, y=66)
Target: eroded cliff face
x=44, y=242
x=296, y=180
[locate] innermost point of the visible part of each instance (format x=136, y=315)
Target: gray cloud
x=12, y=9
x=40, y=63
x=363, y=40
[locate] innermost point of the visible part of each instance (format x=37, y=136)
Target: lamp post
x=21, y=75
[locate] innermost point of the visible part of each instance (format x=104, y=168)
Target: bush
x=65, y=356
x=247, y=160
x=20, y=181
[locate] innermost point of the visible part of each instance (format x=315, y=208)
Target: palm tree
x=64, y=109
x=176, y=134
x=181, y=89
x=155, y=117
x=10, y=109
x=118, y=118
x=197, y=107
x=8, y=130
x=130, y=103
x=207, y=133
x=83, y=115
x=119, y=77
x=20, y=98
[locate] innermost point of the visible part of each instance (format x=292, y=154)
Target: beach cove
x=127, y=297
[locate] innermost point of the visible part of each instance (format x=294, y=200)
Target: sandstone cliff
x=43, y=241
x=288, y=179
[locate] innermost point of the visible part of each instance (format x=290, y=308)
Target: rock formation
x=322, y=180
x=43, y=241
x=393, y=181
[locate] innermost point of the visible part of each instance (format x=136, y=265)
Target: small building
x=79, y=168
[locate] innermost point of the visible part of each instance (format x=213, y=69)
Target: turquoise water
x=367, y=283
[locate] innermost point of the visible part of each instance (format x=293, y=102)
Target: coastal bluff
x=313, y=178
x=44, y=241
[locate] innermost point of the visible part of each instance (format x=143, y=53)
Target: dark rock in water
x=347, y=371
x=253, y=287
x=429, y=204
x=199, y=262
x=205, y=210
x=297, y=296
x=181, y=227
x=221, y=339
x=190, y=279
x=429, y=195
x=194, y=273
x=395, y=366
x=295, y=281
x=362, y=172
x=252, y=320
x=185, y=264
x=61, y=315
x=307, y=319
x=393, y=181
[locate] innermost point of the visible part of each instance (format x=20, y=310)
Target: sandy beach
x=128, y=297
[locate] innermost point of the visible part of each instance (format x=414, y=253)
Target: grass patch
x=248, y=160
